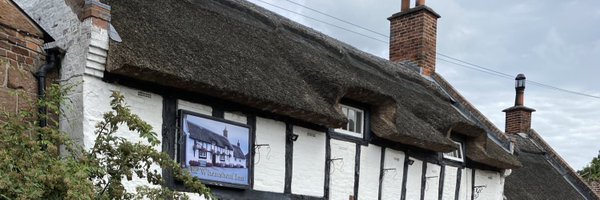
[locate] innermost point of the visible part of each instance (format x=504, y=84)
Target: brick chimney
x=518, y=117
x=97, y=11
x=413, y=33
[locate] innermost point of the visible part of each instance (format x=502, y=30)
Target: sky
x=553, y=42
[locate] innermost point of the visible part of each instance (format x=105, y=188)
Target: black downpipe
x=51, y=63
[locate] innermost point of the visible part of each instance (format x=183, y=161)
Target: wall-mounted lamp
x=411, y=161
x=294, y=137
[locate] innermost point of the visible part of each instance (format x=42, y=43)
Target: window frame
x=460, y=151
x=363, y=122
x=366, y=136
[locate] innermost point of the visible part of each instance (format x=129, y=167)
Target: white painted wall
x=96, y=101
x=308, y=174
x=370, y=162
x=194, y=107
x=269, y=162
x=450, y=176
x=492, y=184
x=413, y=181
x=393, y=165
x=341, y=172
x=236, y=117
x=432, y=181
x=466, y=184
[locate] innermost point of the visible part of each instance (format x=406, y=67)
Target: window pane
x=351, y=120
x=359, y=121
x=345, y=111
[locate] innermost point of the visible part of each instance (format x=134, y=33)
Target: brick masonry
x=413, y=37
x=518, y=121
x=21, y=54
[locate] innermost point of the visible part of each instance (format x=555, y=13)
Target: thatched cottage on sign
x=260, y=107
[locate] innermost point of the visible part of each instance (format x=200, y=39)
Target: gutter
x=52, y=62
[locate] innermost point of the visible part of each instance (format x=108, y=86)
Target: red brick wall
x=518, y=121
x=21, y=54
x=413, y=38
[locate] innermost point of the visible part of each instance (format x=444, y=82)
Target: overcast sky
x=551, y=42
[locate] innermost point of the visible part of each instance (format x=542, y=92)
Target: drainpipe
x=51, y=63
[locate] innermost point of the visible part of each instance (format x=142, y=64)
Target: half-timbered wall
x=383, y=172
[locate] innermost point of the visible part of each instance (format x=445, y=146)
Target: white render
x=370, y=162
x=269, y=161
x=393, y=166
x=450, y=177
x=432, y=181
x=97, y=97
x=413, y=181
x=236, y=117
x=492, y=185
x=466, y=184
x=308, y=174
x=194, y=107
x=341, y=172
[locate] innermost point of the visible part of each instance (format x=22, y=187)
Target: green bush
x=44, y=163
x=591, y=172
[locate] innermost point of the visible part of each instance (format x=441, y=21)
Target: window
x=355, y=125
x=456, y=155
x=203, y=154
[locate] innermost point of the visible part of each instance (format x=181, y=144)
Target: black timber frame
x=220, y=106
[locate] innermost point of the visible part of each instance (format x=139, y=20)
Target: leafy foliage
x=592, y=171
x=44, y=163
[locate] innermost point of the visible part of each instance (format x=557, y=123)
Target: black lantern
x=520, y=81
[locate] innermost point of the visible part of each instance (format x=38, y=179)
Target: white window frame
x=460, y=152
x=352, y=133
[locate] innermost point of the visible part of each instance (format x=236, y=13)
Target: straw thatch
x=234, y=50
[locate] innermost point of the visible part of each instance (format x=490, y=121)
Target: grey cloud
x=553, y=42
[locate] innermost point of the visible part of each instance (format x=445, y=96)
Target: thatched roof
x=200, y=133
x=543, y=176
x=234, y=50
x=237, y=152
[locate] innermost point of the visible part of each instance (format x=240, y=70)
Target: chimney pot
x=420, y=3
x=518, y=117
x=520, y=89
x=405, y=5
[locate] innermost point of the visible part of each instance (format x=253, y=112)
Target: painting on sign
x=215, y=150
